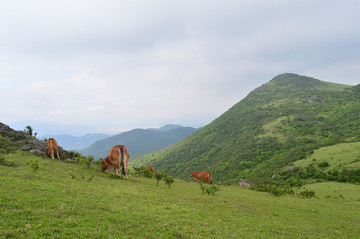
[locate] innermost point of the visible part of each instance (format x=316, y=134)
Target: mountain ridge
x=139, y=141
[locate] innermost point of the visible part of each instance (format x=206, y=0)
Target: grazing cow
x=151, y=168
x=118, y=158
x=202, y=176
x=51, y=146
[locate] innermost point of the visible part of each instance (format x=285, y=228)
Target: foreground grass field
x=62, y=200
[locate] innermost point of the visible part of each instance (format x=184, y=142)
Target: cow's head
x=104, y=163
x=192, y=174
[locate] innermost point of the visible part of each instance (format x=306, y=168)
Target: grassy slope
x=346, y=155
x=50, y=203
x=276, y=124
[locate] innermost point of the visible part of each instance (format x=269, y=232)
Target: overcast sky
x=114, y=65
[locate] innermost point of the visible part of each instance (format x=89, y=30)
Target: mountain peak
x=294, y=82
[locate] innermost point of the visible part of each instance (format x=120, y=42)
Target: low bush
x=209, y=188
x=323, y=165
x=34, y=164
x=143, y=171
x=307, y=193
x=273, y=189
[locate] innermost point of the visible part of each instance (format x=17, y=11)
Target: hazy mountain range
x=140, y=141
x=70, y=142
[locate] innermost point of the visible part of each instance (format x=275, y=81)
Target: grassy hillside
x=62, y=200
x=336, y=157
x=139, y=141
x=277, y=124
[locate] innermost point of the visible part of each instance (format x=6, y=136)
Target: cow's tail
x=123, y=160
x=51, y=144
x=210, y=178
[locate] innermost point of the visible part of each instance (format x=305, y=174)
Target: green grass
x=344, y=191
x=71, y=201
x=346, y=155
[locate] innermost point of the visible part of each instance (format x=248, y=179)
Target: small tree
x=29, y=130
x=168, y=180
x=159, y=176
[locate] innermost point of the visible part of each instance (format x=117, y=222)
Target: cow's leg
x=125, y=167
x=118, y=171
x=57, y=152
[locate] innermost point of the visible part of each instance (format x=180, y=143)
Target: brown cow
x=202, y=176
x=151, y=168
x=118, y=158
x=51, y=146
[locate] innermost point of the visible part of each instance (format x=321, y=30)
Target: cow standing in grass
x=51, y=147
x=202, y=176
x=118, y=158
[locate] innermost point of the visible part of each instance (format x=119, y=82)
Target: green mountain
x=139, y=141
x=258, y=138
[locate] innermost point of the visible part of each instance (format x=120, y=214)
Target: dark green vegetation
x=260, y=137
x=139, y=141
x=61, y=200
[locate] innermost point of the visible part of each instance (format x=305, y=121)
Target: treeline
x=298, y=176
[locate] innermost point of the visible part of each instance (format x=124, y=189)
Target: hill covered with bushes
x=261, y=136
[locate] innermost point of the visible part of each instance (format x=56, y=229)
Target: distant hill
x=139, y=141
x=70, y=142
x=260, y=137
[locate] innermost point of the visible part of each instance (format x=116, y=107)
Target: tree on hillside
x=29, y=130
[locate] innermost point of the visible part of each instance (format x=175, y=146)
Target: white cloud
x=95, y=108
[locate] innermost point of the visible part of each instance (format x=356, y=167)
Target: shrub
x=84, y=160
x=74, y=154
x=307, y=193
x=138, y=170
x=209, y=189
x=273, y=189
x=34, y=164
x=168, y=180
x=323, y=164
x=143, y=171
